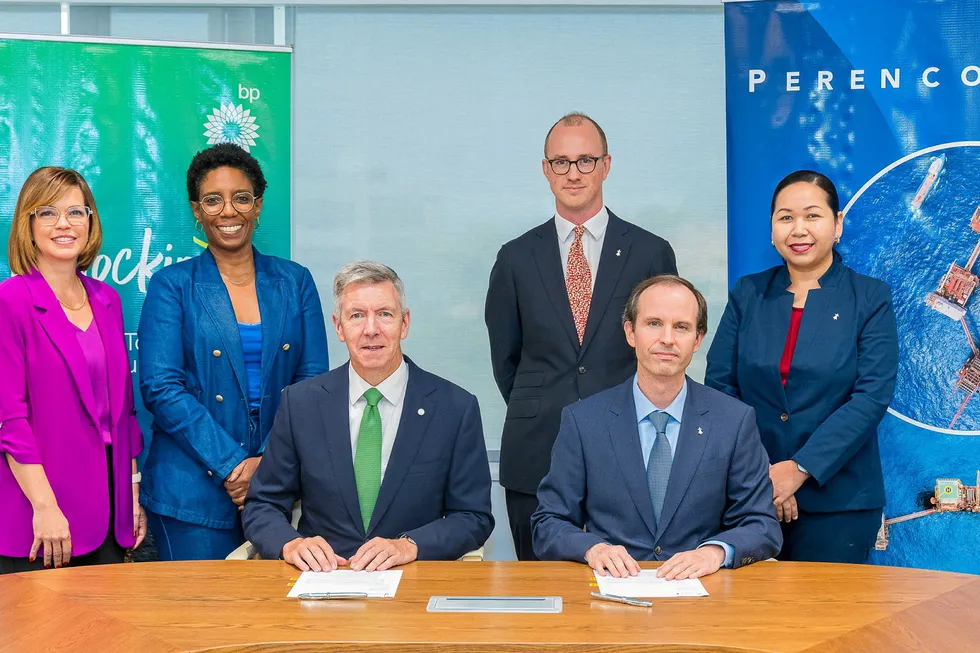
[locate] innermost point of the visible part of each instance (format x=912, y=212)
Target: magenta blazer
x=47, y=415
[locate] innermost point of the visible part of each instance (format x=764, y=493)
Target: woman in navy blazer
x=220, y=336
x=812, y=346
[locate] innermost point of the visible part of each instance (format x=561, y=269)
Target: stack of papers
x=647, y=585
x=376, y=584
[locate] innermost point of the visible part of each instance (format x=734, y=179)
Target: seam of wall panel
x=127, y=41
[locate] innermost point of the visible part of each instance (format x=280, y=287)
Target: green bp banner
x=130, y=115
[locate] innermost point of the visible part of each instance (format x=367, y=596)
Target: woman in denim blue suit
x=220, y=336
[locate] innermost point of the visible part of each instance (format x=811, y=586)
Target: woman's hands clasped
x=236, y=485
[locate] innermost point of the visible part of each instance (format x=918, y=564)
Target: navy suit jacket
x=839, y=385
x=719, y=486
x=538, y=363
x=435, y=490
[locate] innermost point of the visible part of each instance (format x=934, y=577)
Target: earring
x=772, y=242
x=256, y=223
x=837, y=240
x=199, y=227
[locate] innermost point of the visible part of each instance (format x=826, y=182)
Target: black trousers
x=830, y=536
x=109, y=552
x=520, y=507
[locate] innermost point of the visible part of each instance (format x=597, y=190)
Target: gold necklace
x=84, y=298
x=242, y=282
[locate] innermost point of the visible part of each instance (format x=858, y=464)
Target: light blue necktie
x=658, y=465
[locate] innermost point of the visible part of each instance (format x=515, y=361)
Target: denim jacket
x=193, y=381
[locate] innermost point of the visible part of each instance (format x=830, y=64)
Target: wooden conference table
x=242, y=606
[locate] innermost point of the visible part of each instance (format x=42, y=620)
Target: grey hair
x=365, y=272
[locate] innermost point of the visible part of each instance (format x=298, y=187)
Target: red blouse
x=794, y=331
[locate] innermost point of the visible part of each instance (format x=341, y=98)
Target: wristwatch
x=406, y=537
x=802, y=469
x=137, y=477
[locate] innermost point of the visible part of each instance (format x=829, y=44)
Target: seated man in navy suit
x=659, y=467
x=388, y=460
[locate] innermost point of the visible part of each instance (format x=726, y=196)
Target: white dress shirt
x=390, y=407
x=595, y=232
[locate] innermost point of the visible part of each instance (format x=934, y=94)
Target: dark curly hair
x=219, y=156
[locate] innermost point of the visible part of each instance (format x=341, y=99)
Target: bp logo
x=231, y=124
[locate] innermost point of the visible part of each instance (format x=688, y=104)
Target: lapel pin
x=618, y=252
x=700, y=432
x=421, y=411
x=836, y=315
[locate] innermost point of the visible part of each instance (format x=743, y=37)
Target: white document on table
x=376, y=584
x=647, y=585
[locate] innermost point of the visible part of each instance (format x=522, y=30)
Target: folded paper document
x=373, y=584
x=646, y=585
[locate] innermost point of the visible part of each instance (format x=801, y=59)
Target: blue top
x=648, y=433
x=251, y=335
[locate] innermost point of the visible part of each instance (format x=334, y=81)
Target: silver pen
x=323, y=596
x=622, y=599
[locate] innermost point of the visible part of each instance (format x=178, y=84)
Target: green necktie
x=367, y=460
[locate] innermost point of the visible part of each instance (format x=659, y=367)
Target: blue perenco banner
x=882, y=96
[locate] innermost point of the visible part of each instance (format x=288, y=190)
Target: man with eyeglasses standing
x=554, y=310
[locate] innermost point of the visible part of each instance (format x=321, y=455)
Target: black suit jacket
x=538, y=363
x=436, y=488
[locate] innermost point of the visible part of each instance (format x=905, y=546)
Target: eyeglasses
x=49, y=216
x=215, y=204
x=585, y=164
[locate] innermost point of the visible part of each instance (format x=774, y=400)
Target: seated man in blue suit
x=389, y=460
x=659, y=467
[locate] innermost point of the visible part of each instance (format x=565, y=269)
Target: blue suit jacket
x=839, y=385
x=192, y=376
x=436, y=487
x=719, y=486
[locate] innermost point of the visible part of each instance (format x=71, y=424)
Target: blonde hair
x=574, y=119
x=44, y=187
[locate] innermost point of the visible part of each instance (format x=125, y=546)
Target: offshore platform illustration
x=950, y=298
x=953, y=293
x=950, y=496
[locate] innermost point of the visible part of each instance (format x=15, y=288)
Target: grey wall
x=417, y=136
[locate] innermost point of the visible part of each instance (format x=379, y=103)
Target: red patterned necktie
x=578, y=283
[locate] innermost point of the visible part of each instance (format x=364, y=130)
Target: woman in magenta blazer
x=68, y=433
